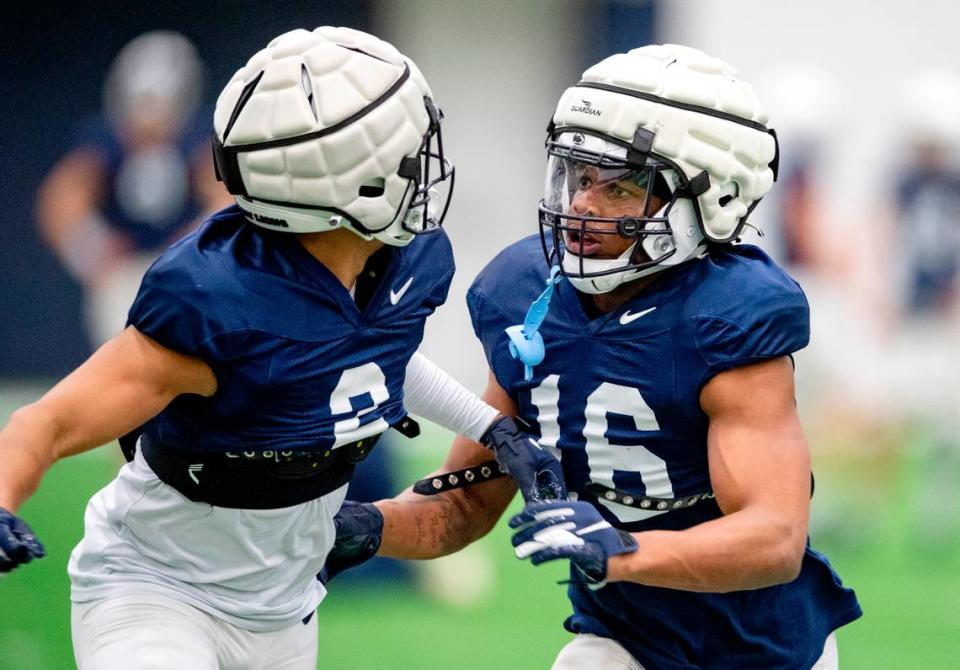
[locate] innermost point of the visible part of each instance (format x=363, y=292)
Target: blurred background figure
x=806, y=100
x=139, y=177
x=878, y=384
x=926, y=233
x=801, y=227
x=923, y=368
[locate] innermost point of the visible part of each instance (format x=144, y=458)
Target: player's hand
x=573, y=530
x=359, y=531
x=537, y=472
x=18, y=544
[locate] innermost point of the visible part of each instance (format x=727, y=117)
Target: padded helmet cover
x=338, y=111
x=704, y=119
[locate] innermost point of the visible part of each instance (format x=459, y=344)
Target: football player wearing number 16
x=666, y=385
x=264, y=355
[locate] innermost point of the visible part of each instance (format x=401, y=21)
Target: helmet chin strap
x=686, y=239
x=603, y=283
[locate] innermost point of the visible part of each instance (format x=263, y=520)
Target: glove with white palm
x=573, y=530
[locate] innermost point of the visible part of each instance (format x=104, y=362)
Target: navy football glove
x=18, y=544
x=537, y=472
x=573, y=530
x=359, y=531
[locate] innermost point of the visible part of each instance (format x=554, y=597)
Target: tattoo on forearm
x=445, y=529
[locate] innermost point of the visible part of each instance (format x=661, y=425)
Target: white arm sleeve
x=431, y=393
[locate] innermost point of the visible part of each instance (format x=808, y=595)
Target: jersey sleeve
x=774, y=321
x=165, y=311
x=441, y=256
x=475, y=305
x=499, y=298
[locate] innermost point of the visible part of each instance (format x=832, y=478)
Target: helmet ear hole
x=372, y=188
x=728, y=192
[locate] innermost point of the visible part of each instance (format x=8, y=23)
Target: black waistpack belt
x=255, y=479
x=646, y=502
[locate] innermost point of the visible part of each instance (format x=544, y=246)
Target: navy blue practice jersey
x=299, y=366
x=617, y=397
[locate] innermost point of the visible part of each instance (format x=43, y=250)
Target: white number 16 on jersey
x=603, y=457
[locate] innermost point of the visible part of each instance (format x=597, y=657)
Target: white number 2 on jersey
x=353, y=383
x=603, y=457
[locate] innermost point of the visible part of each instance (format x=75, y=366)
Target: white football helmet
x=333, y=128
x=680, y=126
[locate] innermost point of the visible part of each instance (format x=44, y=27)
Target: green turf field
x=907, y=577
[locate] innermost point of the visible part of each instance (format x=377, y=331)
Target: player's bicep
x=758, y=455
x=123, y=384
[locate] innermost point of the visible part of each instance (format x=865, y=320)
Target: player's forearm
x=27, y=450
x=423, y=527
x=744, y=550
x=414, y=529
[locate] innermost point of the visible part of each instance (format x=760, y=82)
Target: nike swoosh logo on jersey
x=627, y=317
x=396, y=295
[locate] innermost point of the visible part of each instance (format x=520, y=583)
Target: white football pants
x=147, y=631
x=591, y=651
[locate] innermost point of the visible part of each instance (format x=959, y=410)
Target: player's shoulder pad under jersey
x=509, y=282
x=743, y=308
x=186, y=297
x=429, y=266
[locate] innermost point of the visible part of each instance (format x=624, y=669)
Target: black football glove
x=18, y=544
x=359, y=532
x=537, y=472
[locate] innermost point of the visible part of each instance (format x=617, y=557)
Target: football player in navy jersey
x=264, y=355
x=661, y=375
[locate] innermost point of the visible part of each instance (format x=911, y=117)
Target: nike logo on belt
x=396, y=295
x=627, y=317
